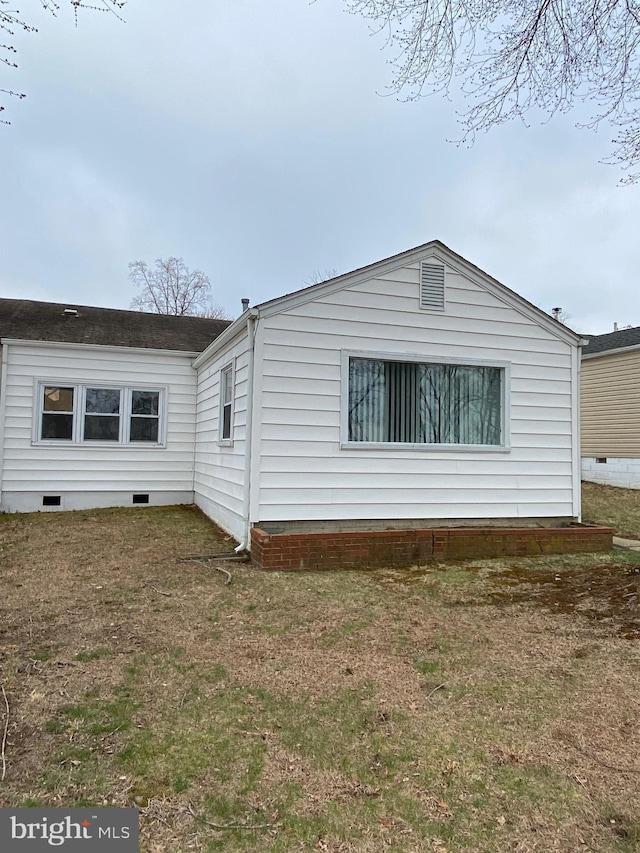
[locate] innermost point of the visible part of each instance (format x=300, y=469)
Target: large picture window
x=410, y=402
x=86, y=413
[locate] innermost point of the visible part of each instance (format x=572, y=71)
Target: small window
x=145, y=416
x=226, y=403
x=57, y=413
x=432, y=287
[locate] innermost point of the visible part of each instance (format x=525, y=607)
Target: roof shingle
x=613, y=340
x=25, y=319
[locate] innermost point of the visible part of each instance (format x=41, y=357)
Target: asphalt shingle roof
x=613, y=340
x=25, y=319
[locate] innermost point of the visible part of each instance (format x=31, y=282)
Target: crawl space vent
x=51, y=500
x=141, y=499
x=432, y=287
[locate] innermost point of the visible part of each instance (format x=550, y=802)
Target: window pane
x=101, y=428
x=103, y=401
x=144, y=429
x=226, y=421
x=409, y=402
x=144, y=402
x=58, y=399
x=57, y=426
x=226, y=385
x=367, y=395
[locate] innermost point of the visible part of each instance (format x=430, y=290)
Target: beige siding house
x=610, y=409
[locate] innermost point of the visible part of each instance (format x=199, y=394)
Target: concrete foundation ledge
x=360, y=549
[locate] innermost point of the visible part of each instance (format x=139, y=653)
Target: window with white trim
x=90, y=413
x=423, y=403
x=226, y=403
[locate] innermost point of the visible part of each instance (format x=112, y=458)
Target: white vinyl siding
x=96, y=468
x=219, y=463
x=304, y=473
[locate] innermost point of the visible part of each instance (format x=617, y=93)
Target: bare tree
x=515, y=57
x=170, y=287
x=12, y=21
x=318, y=276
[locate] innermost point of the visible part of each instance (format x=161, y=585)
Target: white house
x=415, y=391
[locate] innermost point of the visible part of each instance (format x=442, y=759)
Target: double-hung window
x=57, y=412
x=407, y=402
x=79, y=413
x=226, y=403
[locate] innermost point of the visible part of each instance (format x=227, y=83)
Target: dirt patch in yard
x=456, y=709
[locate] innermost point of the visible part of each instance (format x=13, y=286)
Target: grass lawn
x=478, y=706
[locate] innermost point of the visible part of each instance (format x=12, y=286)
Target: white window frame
x=505, y=404
x=79, y=397
x=227, y=370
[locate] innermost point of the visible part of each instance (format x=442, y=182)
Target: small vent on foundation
x=51, y=500
x=141, y=499
x=601, y=460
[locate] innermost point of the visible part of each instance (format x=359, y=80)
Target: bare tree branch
x=513, y=58
x=170, y=287
x=12, y=21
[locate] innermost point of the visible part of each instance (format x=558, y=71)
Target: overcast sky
x=255, y=140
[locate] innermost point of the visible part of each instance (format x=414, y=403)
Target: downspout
x=4, y=358
x=252, y=327
x=578, y=452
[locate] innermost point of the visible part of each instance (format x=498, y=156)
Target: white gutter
x=252, y=328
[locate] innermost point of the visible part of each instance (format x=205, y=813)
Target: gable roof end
x=433, y=249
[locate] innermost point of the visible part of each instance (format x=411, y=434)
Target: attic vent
x=432, y=287
x=70, y=312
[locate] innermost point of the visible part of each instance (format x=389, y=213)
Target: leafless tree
x=12, y=21
x=170, y=287
x=513, y=58
x=318, y=276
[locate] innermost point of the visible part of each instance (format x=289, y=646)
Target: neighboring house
x=610, y=409
x=415, y=392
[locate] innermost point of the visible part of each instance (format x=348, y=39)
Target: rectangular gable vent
x=432, y=287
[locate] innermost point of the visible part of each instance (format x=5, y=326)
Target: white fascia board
x=233, y=331
x=98, y=347
x=589, y=355
x=433, y=250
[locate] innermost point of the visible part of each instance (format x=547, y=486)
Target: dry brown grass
x=614, y=507
x=475, y=707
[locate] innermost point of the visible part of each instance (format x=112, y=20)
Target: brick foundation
x=376, y=548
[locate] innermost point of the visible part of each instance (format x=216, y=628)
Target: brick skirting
x=376, y=548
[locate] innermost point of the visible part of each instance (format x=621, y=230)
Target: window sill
x=425, y=448
x=225, y=442
x=114, y=445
